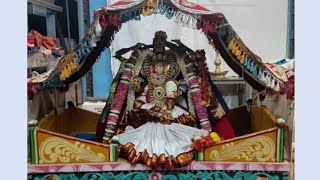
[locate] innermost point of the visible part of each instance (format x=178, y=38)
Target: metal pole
x=81, y=35
x=68, y=25
x=289, y=29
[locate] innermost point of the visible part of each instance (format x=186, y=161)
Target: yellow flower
x=215, y=137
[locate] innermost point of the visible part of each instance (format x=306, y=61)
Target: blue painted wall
x=101, y=72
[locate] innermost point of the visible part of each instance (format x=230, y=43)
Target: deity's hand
x=183, y=86
x=170, y=103
x=166, y=116
x=136, y=118
x=218, y=112
x=140, y=45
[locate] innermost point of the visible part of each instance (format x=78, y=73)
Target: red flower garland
x=119, y=97
x=204, y=78
x=203, y=142
x=197, y=101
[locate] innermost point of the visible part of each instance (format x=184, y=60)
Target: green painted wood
x=279, y=145
x=282, y=145
x=199, y=156
x=114, y=149
x=33, y=141
x=165, y=175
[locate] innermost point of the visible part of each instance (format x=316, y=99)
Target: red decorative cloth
x=36, y=39
x=122, y=3
x=192, y=6
x=224, y=128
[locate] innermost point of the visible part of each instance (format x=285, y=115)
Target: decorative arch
x=108, y=20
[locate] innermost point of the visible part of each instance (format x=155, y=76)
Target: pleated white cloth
x=157, y=138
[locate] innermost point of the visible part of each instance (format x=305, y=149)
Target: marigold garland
x=203, y=142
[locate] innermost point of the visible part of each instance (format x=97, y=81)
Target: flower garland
x=204, y=82
x=117, y=105
x=113, y=87
x=136, y=71
x=195, y=93
x=200, y=143
x=183, y=69
x=197, y=101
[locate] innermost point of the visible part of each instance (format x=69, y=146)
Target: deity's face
x=159, y=44
x=159, y=68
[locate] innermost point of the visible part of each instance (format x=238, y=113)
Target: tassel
x=248, y=65
x=169, y=13
x=137, y=18
x=267, y=79
x=161, y=8
x=222, y=31
x=80, y=54
x=258, y=72
x=245, y=62
x=262, y=77
x=88, y=47
x=77, y=57
x=242, y=57
x=212, y=27
x=67, y=72
x=231, y=44
x=73, y=66
x=205, y=27
x=123, y=18
x=137, y=15
x=62, y=75
x=176, y=17
x=277, y=86
x=115, y=20
x=254, y=72
x=102, y=21
x=199, y=24
x=193, y=23
x=129, y=16
x=238, y=53
x=184, y=20
x=83, y=50
x=188, y=22
x=98, y=31
x=252, y=67
x=235, y=47
x=93, y=41
x=180, y=18
x=272, y=82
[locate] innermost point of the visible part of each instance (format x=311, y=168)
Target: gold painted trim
x=54, y=149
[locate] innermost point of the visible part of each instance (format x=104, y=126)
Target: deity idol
x=162, y=101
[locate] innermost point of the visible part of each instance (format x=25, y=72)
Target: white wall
x=262, y=25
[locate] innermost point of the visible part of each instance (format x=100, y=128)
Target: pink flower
x=121, y=91
x=155, y=176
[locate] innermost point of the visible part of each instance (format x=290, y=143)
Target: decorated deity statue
x=161, y=100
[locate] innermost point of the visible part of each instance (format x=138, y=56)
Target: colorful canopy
x=108, y=20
